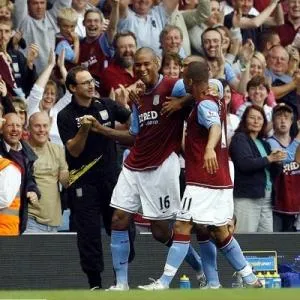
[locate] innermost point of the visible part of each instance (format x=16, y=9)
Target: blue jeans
x=34, y=226
x=65, y=226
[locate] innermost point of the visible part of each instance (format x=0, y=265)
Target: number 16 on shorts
x=164, y=203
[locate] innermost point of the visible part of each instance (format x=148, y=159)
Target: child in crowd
x=6, y=9
x=67, y=38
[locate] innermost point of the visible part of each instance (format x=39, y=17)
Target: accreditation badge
x=104, y=114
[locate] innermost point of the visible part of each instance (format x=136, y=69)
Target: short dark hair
x=145, y=49
x=257, y=81
x=198, y=71
x=281, y=108
x=265, y=37
x=71, y=77
x=243, y=123
x=123, y=34
x=215, y=29
x=168, y=57
x=93, y=10
x=206, y=31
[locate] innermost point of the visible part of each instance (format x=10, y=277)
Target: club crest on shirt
x=211, y=114
x=103, y=114
x=156, y=100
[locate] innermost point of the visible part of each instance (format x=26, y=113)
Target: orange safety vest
x=9, y=216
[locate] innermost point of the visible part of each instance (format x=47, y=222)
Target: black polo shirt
x=107, y=112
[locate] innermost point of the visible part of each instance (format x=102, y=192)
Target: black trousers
x=90, y=204
x=283, y=222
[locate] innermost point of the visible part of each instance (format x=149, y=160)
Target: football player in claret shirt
x=208, y=198
x=150, y=176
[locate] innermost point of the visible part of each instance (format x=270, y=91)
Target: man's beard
x=124, y=62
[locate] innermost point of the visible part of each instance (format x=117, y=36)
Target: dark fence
x=51, y=261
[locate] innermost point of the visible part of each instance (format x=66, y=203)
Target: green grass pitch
x=222, y=294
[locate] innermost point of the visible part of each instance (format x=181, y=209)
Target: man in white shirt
x=145, y=20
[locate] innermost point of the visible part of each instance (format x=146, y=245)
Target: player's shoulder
x=170, y=81
x=172, y=86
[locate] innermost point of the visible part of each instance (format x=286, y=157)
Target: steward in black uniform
x=92, y=160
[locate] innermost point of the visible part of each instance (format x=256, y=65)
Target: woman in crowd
x=253, y=163
x=257, y=68
x=171, y=65
x=258, y=90
x=43, y=96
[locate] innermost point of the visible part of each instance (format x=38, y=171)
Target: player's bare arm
x=175, y=104
x=210, y=158
x=122, y=136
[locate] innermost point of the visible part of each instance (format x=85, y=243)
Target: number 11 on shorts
x=186, y=203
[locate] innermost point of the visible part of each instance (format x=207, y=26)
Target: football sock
x=194, y=260
x=233, y=252
x=120, y=249
x=176, y=255
x=208, y=252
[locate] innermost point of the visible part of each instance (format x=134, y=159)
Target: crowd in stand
x=251, y=46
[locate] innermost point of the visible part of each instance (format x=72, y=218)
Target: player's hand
x=32, y=197
x=86, y=121
x=134, y=98
x=96, y=126
x=122, y=95
x=210, y=161
x=171, y=106
x=136, y=91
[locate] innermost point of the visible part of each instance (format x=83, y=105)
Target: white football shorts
x=206, y=206
x=156, y=191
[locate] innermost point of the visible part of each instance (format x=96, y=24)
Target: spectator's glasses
x=87, y=82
